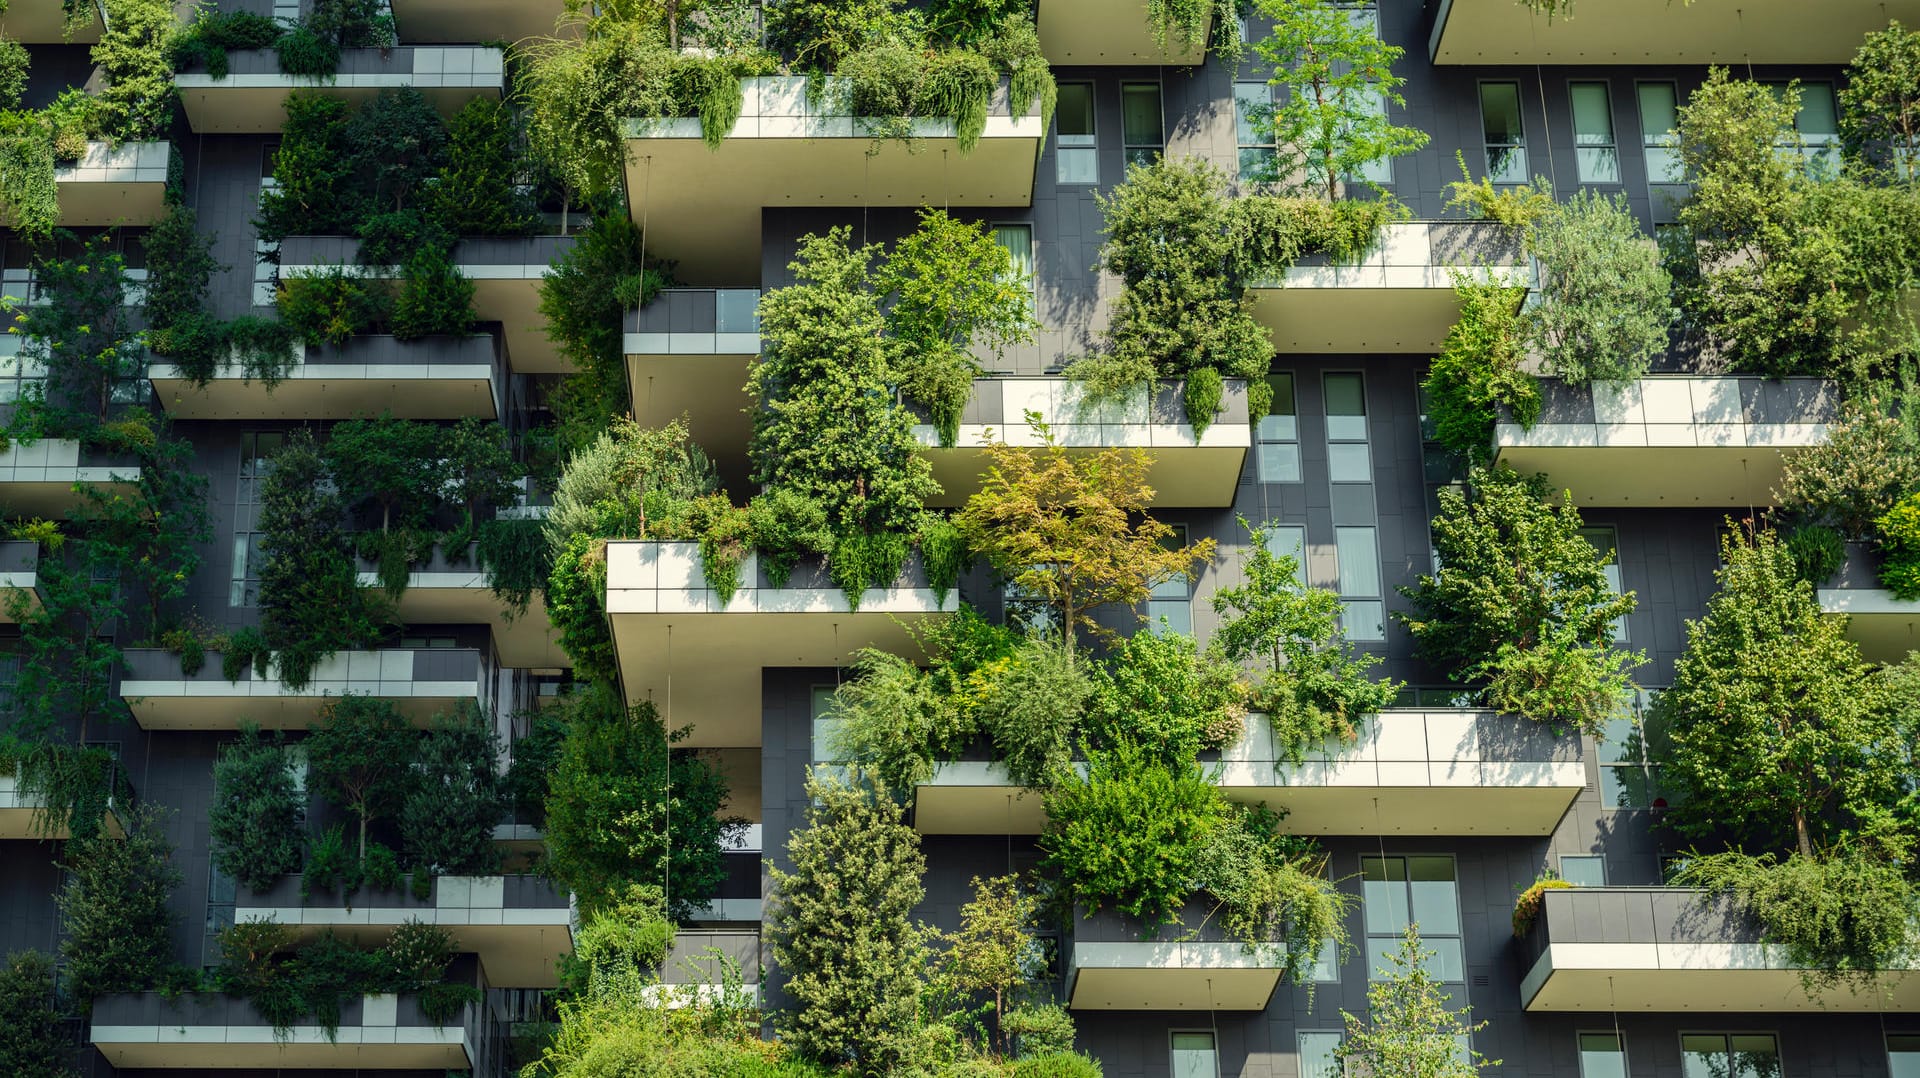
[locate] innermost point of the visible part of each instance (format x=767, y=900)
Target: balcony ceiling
x=1181, y=478
x=1661, y=31
x=1313, y=321
x=1169, y=977
x=204, y=705
x=1087, y=33
x=322, y=391
x=1655, y=477
x=466, y=22
x=1401, y=810
x=208, y=1049
x=709, y=390
x=44, y=22
x=1699, y=978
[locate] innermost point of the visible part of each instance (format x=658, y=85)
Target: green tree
x=68, y=656
x=1774, y=732
x=1032, y=706
x=83, y=337
x=827, y=425
x=994, y=953
x=257, y=819
x=115, y=912
x=817, y=34
x=1409, y=1031
x=135, y=101
x=1477, y=372
x=1313, y=685
x=479, y=193
x=313, y=190
x=392, y=463
x=584, y=297
x=311, y=604
x=1867, y=463
x=1160, y=689
x=477, y=455
x=1880, y=103
x=362, y=758
x=449, y=810
x=435, y=298
x=149, y=533
x=1339, y=83
x=1604, y=309
x=624, y=807
x=31, y=1042
x=840, y=925
x=1520, y=605
x=1072, y=531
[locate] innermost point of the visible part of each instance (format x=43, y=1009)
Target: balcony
x=421, y=682
x=202, y=1031
x=109, y=185
x=19, y=579
x=1441, y=772
x=975, y=797
x=738, y=899
x=1399, y=299
x=21, y=812
x=1659, y=949
x=435, y=22
x=1110, y=968
x=687, y=354
x=251, y=99
x=702, y=206
x=429, y=378
x=1885, y=627
x=1670, y=442
x=669, y=628
x=446, y=592
x=41, y=478
x=1187, y=472
x=1087, y=33
x=506, y=272
x=1659, y=32
x=700, y=962
x=44, y=22
x=519, y=926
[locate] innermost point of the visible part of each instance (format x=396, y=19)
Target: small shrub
x=1039, y=1030
x=420, y=882
x=787, y=525
x=1061, y=1064
x=1526, y=908
x=1513, y=206
x=206, y=40
x=1032, y=706
x=303, y=52
x=380, y=868
x=330, y=306
x=327, y=864
x=1202, y=398
x=860, y=562
x=435, y=298
x=1899, y=530
x=394, y=237
x=1817, y=552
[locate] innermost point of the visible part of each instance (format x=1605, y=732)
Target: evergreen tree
x=257, y=816
x=311, y=604
x=399, y=144
x=362, y=758
x=479, y=193
x=840, y=925
x=448, y=815
x=115, y=912
x=31, y=1044
x=312, y=170
x=1409, y=1031
x=149, y=533
x=83, y=337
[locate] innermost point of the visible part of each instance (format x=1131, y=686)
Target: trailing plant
x=860, y=561
x=584, y=297
x=116, y=915
x=1274, y=893
x=1517, y=206
x=1527, y=907
x=76, y=788
x=517, y=560
x=331, y=305
x=1409, y=1027
x=362, y=758
x=135, y=100
x=1158, y=689
x=1185, y=23
x=1842, y=917
x=288, y=982
x=256, y=823
x=1867, y=463
x=32, y=1044
x=1313, y=685
x=574, y=606
x=1603, y=310
x=1477, y=377
x=943, y=555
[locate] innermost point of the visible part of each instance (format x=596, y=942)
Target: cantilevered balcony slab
x=429, y=378
x=41, y=478
x=421, y=683
x=204, y=1032
x=975, y=797
x=1087, y=33
x=251, y=99
x=1399, y=299
x=687, y=355
x=1660, y=949
x=1110, y=968
x=699, y=661
x=519, y=926
x=1187, y=471
x=44, y=22
x=434, y=22
x=446, y=591
x=19, y=579
x=701, y=206
x=114, y=185
x=1670, y=442
x=21, y=813
x=1885, y=626
x=506, y=272
x=1440, y=772
x=1660, y=32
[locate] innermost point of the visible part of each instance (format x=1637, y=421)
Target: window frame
x=1212, y=1038
x=1726, y=1038
x=1162, y=596
x=1664, y=144
x=1267, y=151
x=1457, y=936
x=1620, y=1044
x=1611, y=146
x=1279, y=440
x=1090, y=147
x=1156, y=149
x=1032, y=271
x=1487, y=148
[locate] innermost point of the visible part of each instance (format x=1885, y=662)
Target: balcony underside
x=527, y=641
x=98, y=203
x=327, y=391
x=1661, y=32
x=1418, y=810
x=1725, y=978
x=708, y=388
x=514, y=302
x=1087, y=33
x=1309, y=321
x=19, y=821
x=524, y=955
x=976, y=798
x=1169, y=977
x=256, y=104
x=181, y=705
x=44, y=22
x=1886, y=628
x=463, y=22
x=49, y=492
x=18, y=594
x=1655, y=477
x=1182, y=476
x=215, y=1048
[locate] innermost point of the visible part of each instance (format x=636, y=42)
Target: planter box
x=422, y=682
x=428, y=378
x=251, y=99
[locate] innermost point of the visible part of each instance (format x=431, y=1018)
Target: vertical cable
x=666, y=774
x=1546, y=127
x=1213, y=1021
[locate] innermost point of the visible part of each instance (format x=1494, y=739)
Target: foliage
x=1477, y=373
x=1274, y=892
x=256, y=821
x=517, y=560
x=478, y=192
x=67, y=663
x=1603, y=311
x=624, y=941
x=1185, y=22
x=994, y=952
x=1031, y=706
x=1868, y=462
x=313, y=172
x=1409, y=1029
x=31, y=1042
x=205, y=41
x=135, y=100
x=435, y=298
x=1520, y=604
x=1159, y=689
x=399, y=145
x=1041, y=1031
x=609, y=483
x=14, y=62
x=29, y=193
x=82, y=335
x=625, y=807
x=180, y=263
x=788, y=525
x=115, y=916
x=455, y=798
x=840, y=926
x=1314, y=688
x=1817, y=552
x=1526, y=908
x=288, y=982
x=1072, y=531
x=76, y=786
x=1880, y=103
x=584, y=297
x=148, y=532
x=1841, y=917
x=1773, y=733
x=860, y=561
x=574, y=606
x=311, y=604
x=819, y=34
x=1899, y=531
x=390, y=463
x=1130, y=833
x=1513, y=205
x=362, y=758
x=534, y=757
x=1332, y=122
x=331, y=305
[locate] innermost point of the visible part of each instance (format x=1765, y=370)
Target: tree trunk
x=1800, y=828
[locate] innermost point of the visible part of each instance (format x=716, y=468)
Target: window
x=1357, y=547
x=1172, y=599
x=1346, y=407
x=1194, y=1056
x=1253, y=110
x=1602, y=1055
x=1142, y=130
x=222, y=894
x=1290, y=541
x=1903, y=1055
x=1627, y=778
x=256, y=453
x=1018, y=242
x=1659, y=121
x=1316, y=1054
x=1607, y=542
x=1729, y=1055
x=1816, y=138
x=1505, y=136
x=1418, y=889
x=1279, y=434
x=820, y=710
x=1594, y=148
x=1584, y=870
x=1366, y=18
x=1077, y=158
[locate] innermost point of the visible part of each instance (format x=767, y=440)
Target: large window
x=1076, y=151
x=1194, y=1056
x=1142, y=131
x=1602, y=1055
x=1729, y=1055
x=1606, y=542
x=1628, y=778
x=1415, y=889
x=1279, y=434
x=1252, y=110
x=1172, y=600
x=1504, y=134
x=1584, y=869
x=1659, y=138
x=1017, y=241
x=1595, y=150
x=249, y=557
x=1290, y=541
x=824, y=724
x=1357, y=545
x=1816, y=134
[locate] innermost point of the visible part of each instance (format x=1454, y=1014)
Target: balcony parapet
x=251, y=99
x=429, y=378
x=421, y=682
x=205, y=1031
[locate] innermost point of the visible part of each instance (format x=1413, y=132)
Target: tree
x=82, y=336
x=311, y=604
x=135, y=102
x=1339, y=83
x=1604, y=310
x=1409, y=1032
x=1521, y=605
x=994, y=952
x=584, y=298
x=67, y=650
x=818, y=34
x=1880, y=103
x=840, y=925
x=31, y=1043
x=115, y=911
x=435, y=298
x=393, y=463
x=1073, y=531
x=257, y=818
x=1868, y=462
x=1159, y=689
x=1774, y=733
x=625, y=807
x=478, y=193
x=1477, y=372
x=149, y=532
x=828, y=425
x=313, y=172
x=1314, y=686
x=362, y=758
x=448, y=814
x=477, y=455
